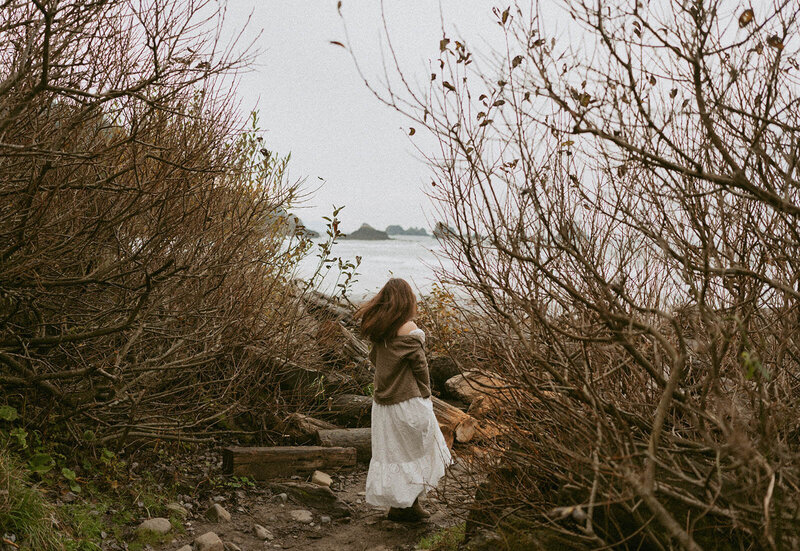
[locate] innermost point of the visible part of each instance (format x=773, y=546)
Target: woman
x=409, y=453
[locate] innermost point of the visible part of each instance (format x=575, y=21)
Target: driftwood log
x=271, y=462
x=471, y=386
x=325, y=306
x=351, y=410
x=310, y=380
x=302, y=428
x=360, y=439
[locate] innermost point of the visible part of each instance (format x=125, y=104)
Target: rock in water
x=155, y=526
x=208, y=542
x=217, y=513
x=302, y=515
x=321, y=479
x=367, y=232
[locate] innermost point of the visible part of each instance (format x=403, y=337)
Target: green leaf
x=20, y=435
x=41, y=463
x=8, y=413
x=69, y=474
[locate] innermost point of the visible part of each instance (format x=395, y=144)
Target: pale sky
x=313, y=104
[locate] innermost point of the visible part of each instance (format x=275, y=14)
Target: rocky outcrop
x=368, y=233
x=398, y=230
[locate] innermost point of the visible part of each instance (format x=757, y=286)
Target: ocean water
x=412, y=258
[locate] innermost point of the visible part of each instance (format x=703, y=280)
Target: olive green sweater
x=401, y=370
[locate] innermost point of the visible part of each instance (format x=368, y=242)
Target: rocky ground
x=289, y=515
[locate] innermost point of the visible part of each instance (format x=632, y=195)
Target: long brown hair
x=383, y=315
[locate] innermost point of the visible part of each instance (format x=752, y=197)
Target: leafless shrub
x=143, y=259
x=625, y=209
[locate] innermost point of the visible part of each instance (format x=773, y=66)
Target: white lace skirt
x=409, y=454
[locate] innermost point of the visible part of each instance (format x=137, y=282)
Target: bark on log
x=271, y=462
x=302, y=428
x=310, y=380
x=360, y=439
x=325, y=306
x=351, y=410
x=470, y=385
x=450, y=418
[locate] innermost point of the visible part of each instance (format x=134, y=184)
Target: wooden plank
x=360, y=439
x=270, y=462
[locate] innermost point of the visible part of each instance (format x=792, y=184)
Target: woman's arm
x=419, y=366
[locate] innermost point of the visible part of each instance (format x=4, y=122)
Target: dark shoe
x=419, y=511
x=408, y=514
x=400, y=515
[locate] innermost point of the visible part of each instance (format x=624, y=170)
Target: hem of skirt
x=386, y=501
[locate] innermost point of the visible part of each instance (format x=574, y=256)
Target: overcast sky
x=314, y=105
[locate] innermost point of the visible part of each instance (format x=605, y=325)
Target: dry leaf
x=775, y=42
x=745, y=18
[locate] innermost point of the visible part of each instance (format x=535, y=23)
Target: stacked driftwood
x=339, y=434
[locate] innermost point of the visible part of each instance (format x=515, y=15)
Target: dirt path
x=367, y=529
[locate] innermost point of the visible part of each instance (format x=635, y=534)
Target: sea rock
x=398, y=230
x=217, y=513
x=368, y=233
x=155, y=525
x=321, y=479
x=208, y=542
x=302, y=515
x=262, y=533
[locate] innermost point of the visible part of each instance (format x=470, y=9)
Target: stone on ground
x=324, y=519
x=318, y=497
x=208, y=542
x=186, y=548
x=262, y=533
x=178, y=509
x=155, y=526
x=302, y=515
x=230, y=546
x=321, y=479
x=217, y=513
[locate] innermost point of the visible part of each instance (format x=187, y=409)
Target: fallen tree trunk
x=302, y=428
x=325, y=306
x=309, y=380
x=360, y=439
x=271, y=462
x=470, y=385
x=351, y=410
x=452, y=420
